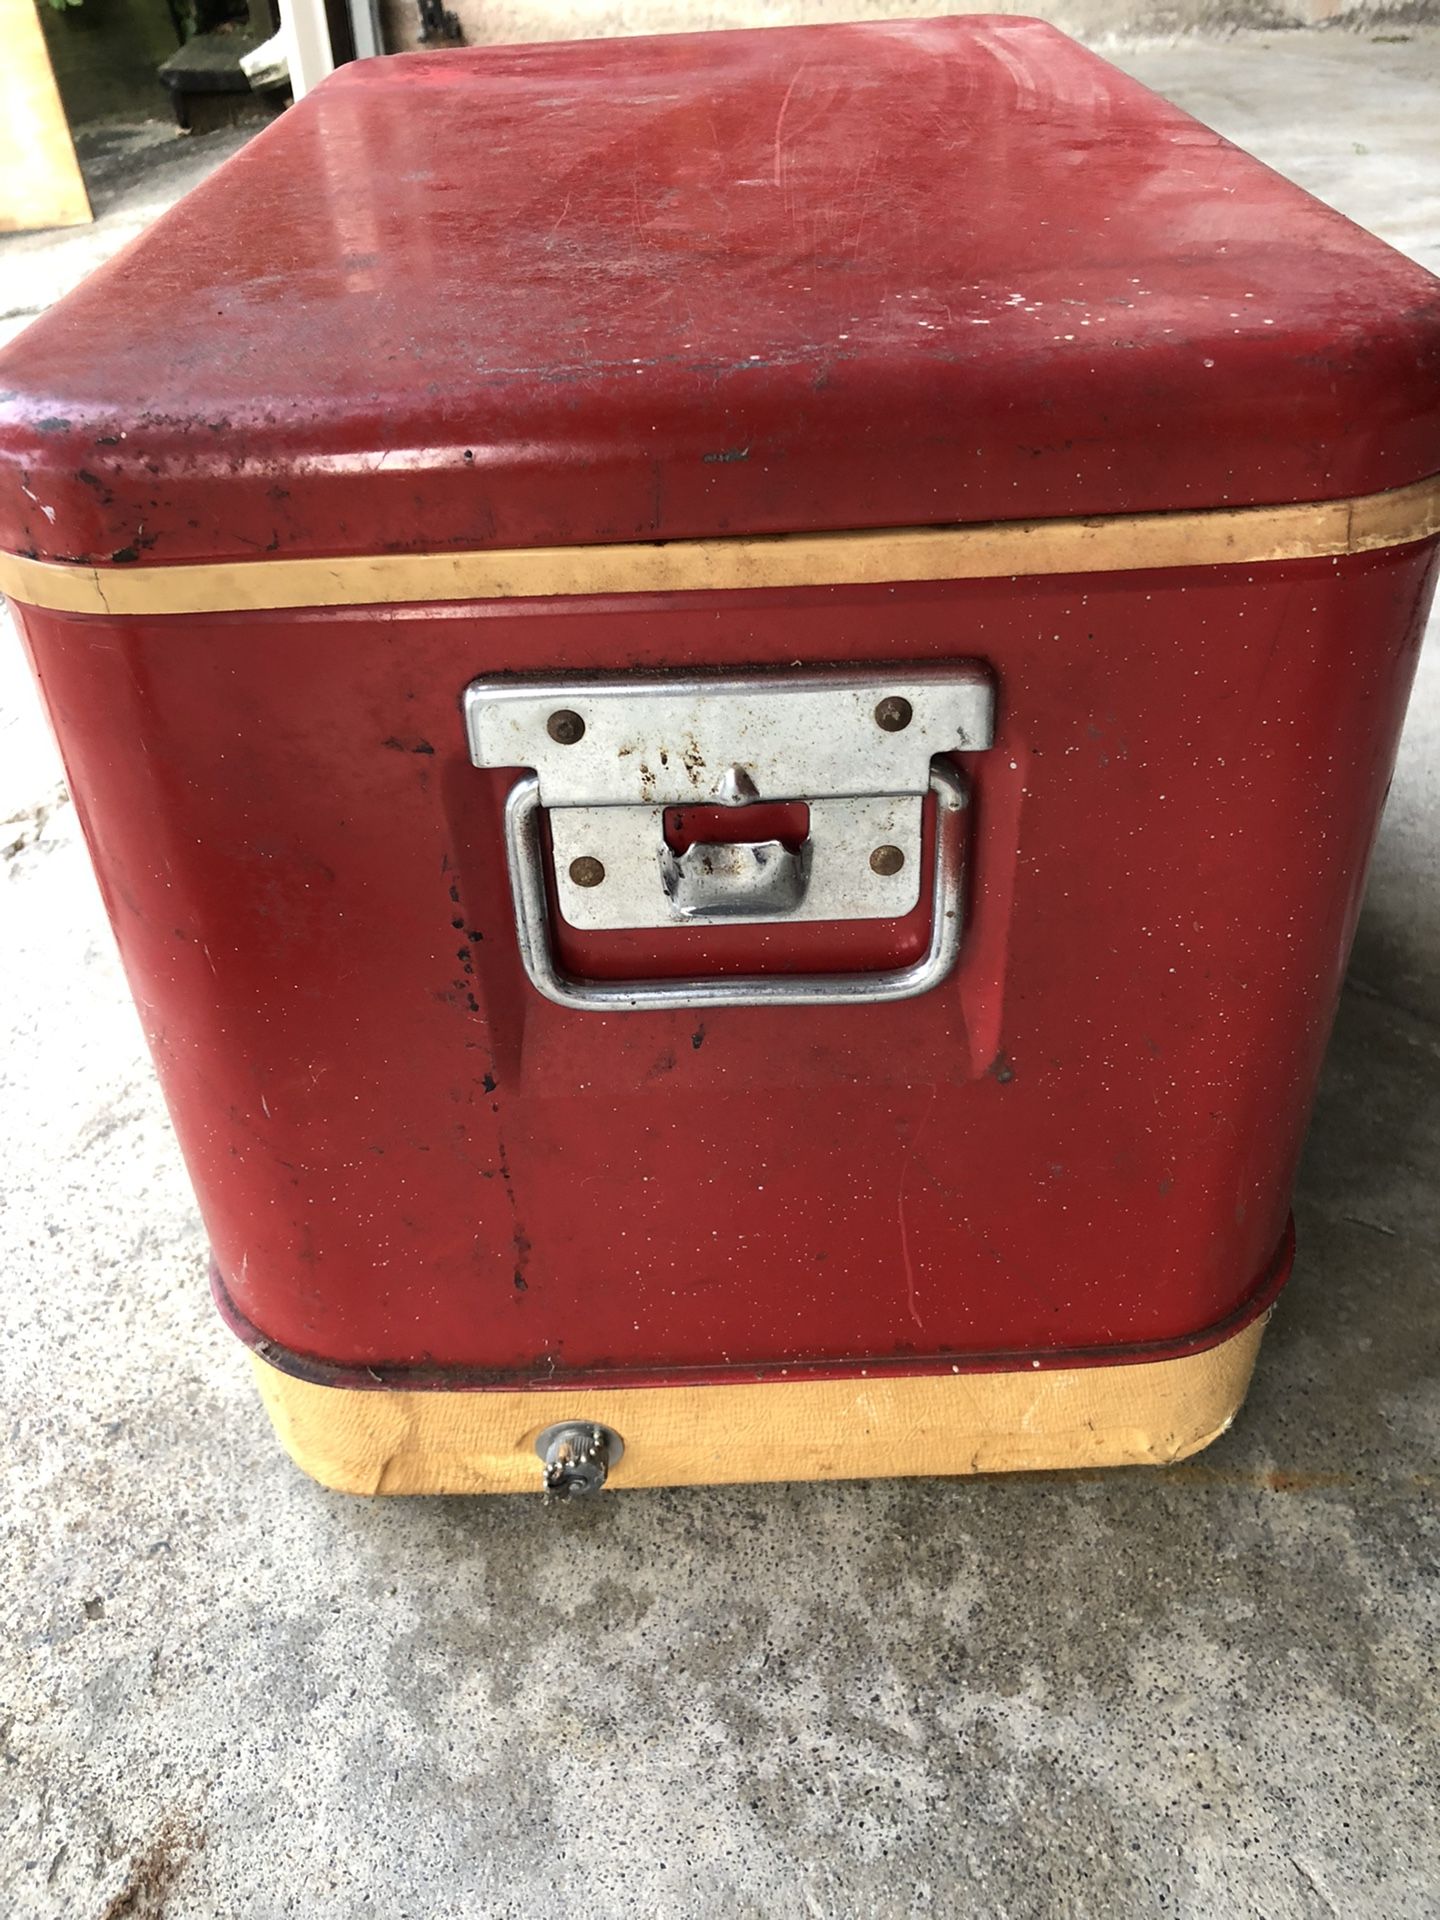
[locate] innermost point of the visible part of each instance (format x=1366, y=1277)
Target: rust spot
x=694, y=762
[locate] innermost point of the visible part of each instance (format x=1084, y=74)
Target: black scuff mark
x=1001, y=1069
x=407, y=746
x=726, y=456
x=140, y=544
x=697, y=1039
x=519, y=1239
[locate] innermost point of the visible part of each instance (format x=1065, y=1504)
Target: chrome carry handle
x=525, y=855
x=618, y=766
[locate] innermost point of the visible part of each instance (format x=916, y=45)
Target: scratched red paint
x=817, y=279
x=888, y=274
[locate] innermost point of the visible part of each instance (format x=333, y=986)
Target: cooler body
x=795, y=994
x=419, y=1173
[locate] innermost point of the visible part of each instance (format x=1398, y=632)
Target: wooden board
x=40, y=180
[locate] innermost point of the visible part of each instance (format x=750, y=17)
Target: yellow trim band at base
x=1209, y=537
x=1146, y=1413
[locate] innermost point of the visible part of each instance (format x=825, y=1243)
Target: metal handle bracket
x=619, y=768
x=526, y=859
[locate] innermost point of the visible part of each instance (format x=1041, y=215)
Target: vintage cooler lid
x=832, y=277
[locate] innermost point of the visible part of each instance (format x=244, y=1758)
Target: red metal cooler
x=730, y=695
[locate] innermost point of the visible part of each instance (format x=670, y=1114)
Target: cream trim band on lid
x=1213, y=537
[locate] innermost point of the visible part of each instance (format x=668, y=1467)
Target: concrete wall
x=1093, y=20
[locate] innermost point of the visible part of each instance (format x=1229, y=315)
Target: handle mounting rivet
x=886, y=860
x=587, y=871
x=565, y=727
x=894, y=713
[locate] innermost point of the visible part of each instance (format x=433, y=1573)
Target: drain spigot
x=577, y=1456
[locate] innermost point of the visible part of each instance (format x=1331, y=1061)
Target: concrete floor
x=1208, y=1691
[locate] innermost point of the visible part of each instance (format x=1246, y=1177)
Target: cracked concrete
x=1203, y=1692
